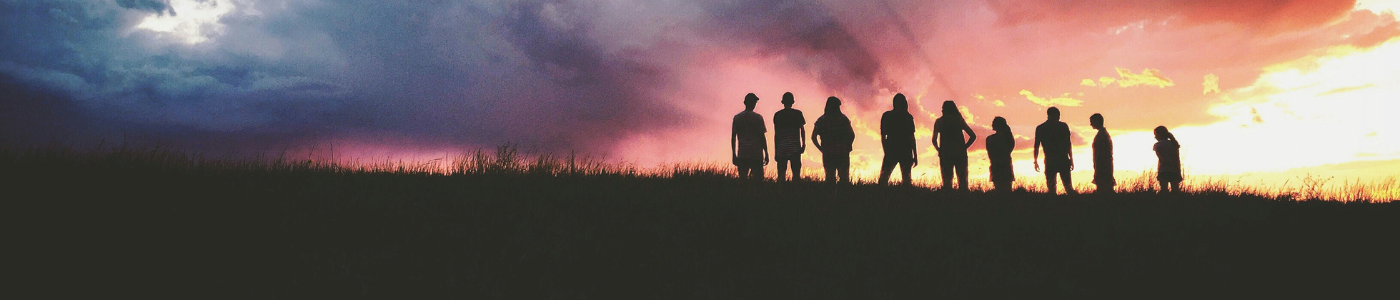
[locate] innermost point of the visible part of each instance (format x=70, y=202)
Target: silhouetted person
x=897, y=137
x=952, y=149
x=1053, y=135
x=749, y=147
x=832, y=134
x=789, y=139
x=1103, y=156
x=1168, y=160
x=999, y=146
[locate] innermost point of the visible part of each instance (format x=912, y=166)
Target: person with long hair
x=1103, y=157
x=1168, y=160
x=833, y=136
x=897, y=138
x=952, y=149
x=999, y=146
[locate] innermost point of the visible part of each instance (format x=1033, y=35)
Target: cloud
x=1149, y=77
x=1211, y=83
x=601, y=77
x=1062, y=100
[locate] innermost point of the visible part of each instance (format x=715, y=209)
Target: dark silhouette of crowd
x=833, y=136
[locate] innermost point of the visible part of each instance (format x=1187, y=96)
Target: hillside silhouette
x=503, y=225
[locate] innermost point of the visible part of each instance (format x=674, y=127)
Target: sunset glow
x=1263, y=92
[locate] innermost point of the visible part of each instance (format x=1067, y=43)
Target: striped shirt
x=748, y=125
x=787, y=140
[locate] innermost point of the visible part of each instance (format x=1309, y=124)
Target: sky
x=1259, y=91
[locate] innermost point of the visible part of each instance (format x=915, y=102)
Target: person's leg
x=962, y=175
x=756, y=171
x=843, y=167
x=1176, y=186
x=1002, y=186
x=782, y=169
x=1069, y=182
x=796, y=167
x=1162, y=187
x=906, y=168
x=885, y=168
x=1050, y=181
x=945, y=167
x=743, y=169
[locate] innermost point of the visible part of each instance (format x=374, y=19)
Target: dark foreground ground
x=124, y=228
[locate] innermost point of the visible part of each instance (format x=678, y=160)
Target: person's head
x=787, y=100
x=833, y=105
x=749, y=101
x=950, y=108
x=1052, y=114
x=950, y=111
x=900, y=104
x=1096, y=121
x=1162, y=134
x=999, y=125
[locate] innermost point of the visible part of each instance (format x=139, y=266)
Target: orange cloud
x=1062, y=100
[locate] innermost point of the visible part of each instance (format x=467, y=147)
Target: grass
x=498, y=224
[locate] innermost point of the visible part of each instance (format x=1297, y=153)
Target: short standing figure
x=833, y=135
x=789, y=139
x=746, y=142
x=1053, y=136
x=952, y=149
x=1168, y=160
x=1103, y=157
x=897, y=137
x=999, y=146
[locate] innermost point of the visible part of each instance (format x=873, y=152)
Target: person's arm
x=935, y=136
x=734, y=147
x=971, y=136
x=1035, y=152
x=816, y=142
x=1071, y=150
x=802, y=139
x=764, y=143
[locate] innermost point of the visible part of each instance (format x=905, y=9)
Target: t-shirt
x=950, y=137
x=899, y=126
x=748, y=125
x=999, y=147
x=1168, y=160
x=787, y=140
x=835, y=132
x=1054, y=136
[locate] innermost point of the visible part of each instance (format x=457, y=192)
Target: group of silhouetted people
x=833, y=135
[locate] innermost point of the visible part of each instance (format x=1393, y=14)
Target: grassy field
x=119, y=222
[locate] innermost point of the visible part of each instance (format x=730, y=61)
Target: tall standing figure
x=999, y=146
x=1053, y=135
x=789, y=139
x=746, y=141
x=1168, y=160
x=832, y=134
x=1103, y=157
x=952, y=149
x=897, y=137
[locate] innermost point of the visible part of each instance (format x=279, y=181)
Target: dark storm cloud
x=437, y=73
x=805, y=33
x=158, y=6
